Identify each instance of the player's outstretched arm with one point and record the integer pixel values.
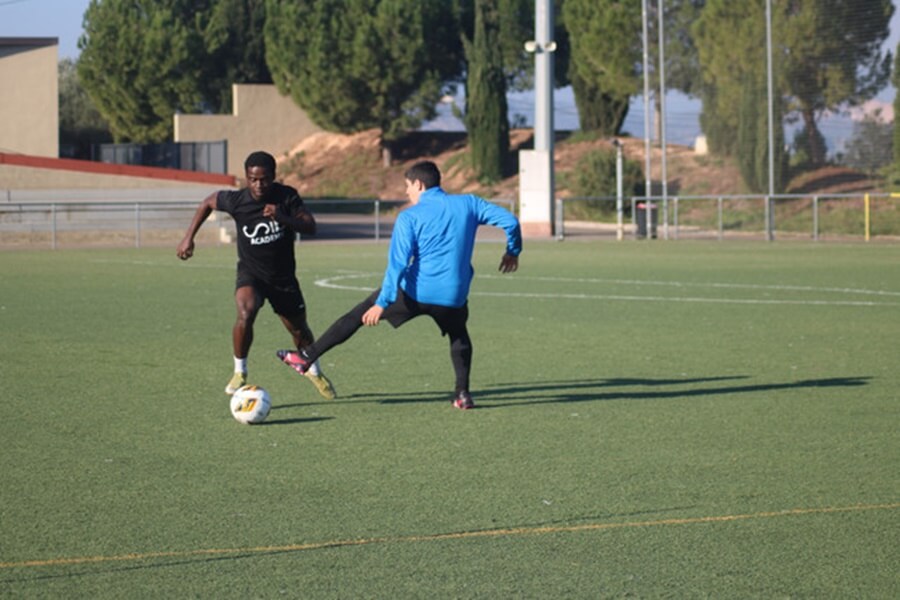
(186, 247)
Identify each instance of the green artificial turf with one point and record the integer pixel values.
(655, 419)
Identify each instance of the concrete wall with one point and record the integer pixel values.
(261, 119)
(29, 96)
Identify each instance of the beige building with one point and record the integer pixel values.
(29, 96)
(261, 119)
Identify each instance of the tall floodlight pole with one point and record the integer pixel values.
(536, 185)
(662, 119)
(620, 228)
(770, 221)
(543, 77)
(648, 180)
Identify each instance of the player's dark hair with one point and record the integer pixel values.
(260, 159)
(426, 172)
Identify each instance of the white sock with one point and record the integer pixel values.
(240, 365)
(314, 369)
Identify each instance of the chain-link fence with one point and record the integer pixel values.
(826, 217)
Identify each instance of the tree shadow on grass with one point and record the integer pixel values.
(522, 393)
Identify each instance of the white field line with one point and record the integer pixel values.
(336, 282)
(751, 286)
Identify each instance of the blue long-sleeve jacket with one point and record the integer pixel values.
(431, 248)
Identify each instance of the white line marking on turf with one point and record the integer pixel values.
(335, 283)
(750, 286)
(328, 282)
(686, 299)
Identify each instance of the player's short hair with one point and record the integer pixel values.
(426, 172)
(260, 159)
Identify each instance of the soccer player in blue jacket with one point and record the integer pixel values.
(429, 272)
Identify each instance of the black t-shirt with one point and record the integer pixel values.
(265, 247)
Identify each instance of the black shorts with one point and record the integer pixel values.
(284, 294)
(451, 320)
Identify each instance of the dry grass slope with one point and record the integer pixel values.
(339, 165)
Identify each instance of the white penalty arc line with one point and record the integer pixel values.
(682, 284)
(334, 283)
(330, 282)
(482, 533)
(327, 282)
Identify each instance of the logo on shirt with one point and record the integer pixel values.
(263, 233)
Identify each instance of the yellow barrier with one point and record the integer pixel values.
(868, 222)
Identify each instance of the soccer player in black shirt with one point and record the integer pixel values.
(267, 215)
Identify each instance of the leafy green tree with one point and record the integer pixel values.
(138, 65)
(753, 139)
(486, 110)
(834, 56)
(235, 48)
(605, 37)
(719, 133)
(869, 146)
(144, 60)
(780, 161)
(730, 40)
(827, 55)
(800, 160)
(80, 123)
(747, 133)
(361, 64)
(681, 60)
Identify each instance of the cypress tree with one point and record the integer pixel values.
(895, 79)
(486, 108)
(762, 144)
(747, 133)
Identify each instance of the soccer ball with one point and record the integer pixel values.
(250, 404)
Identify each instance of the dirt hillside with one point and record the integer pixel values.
(337, 165)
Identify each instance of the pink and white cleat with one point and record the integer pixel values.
(294, 360)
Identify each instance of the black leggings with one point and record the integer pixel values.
(452, 322)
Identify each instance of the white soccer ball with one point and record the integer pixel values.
(250, 404)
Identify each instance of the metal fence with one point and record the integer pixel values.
(861, 217)
(154, 217)
(116, 218)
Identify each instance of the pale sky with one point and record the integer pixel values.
(44, 18)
